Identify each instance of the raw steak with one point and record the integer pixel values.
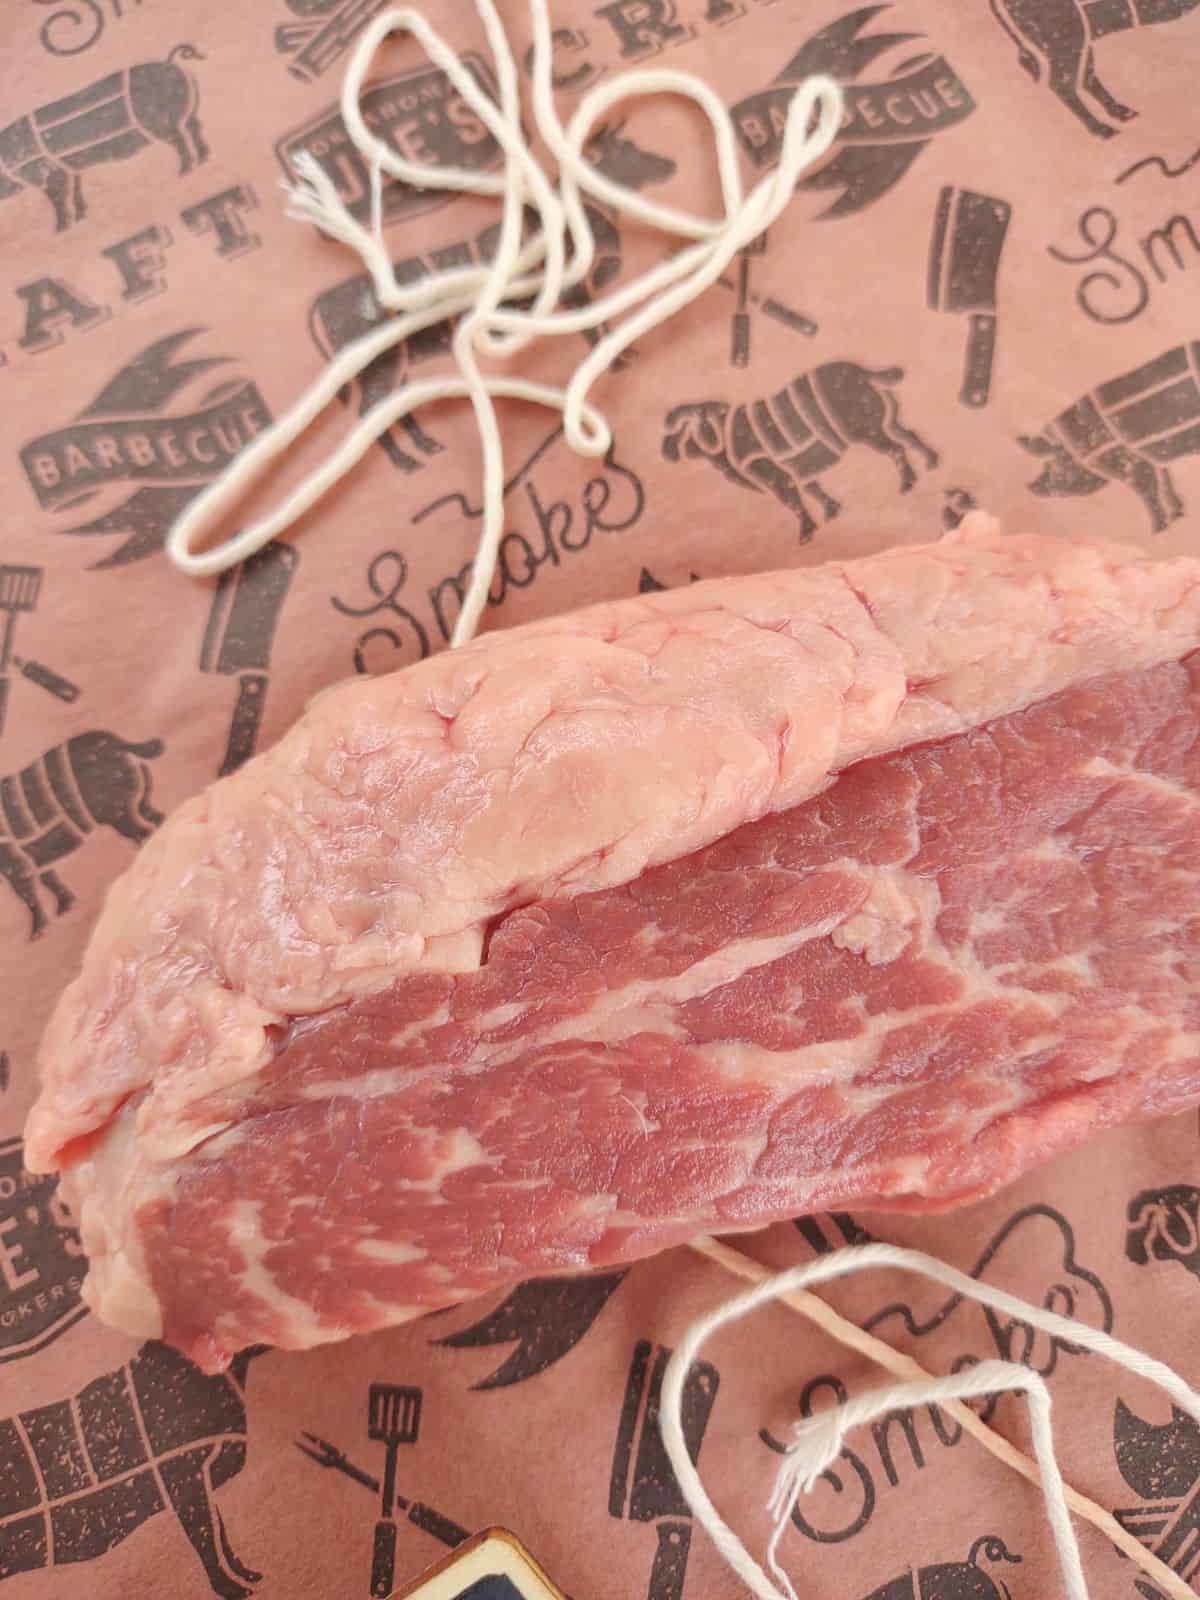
(866, 886)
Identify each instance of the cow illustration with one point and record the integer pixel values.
(784, 443)
(111, 120)
(1063, 33)
(1125, 431)
(79, 1476)
(954, 1580)
(1164, 1225)
(49, 807)
(349, 310)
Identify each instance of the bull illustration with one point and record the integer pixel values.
(79, 1476)
(1063, 33)
(1164, 1225)
(49, 807)
(1125, 431)
(784, 443)
(111, 120)
(954, 1580)
(350, 310)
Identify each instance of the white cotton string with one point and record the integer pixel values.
(517, 297)
(817, 1443)
(818, 1440)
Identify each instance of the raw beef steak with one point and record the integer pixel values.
(863, 886)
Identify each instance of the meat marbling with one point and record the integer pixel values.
(865, 885)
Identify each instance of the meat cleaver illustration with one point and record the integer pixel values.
(238, 639)
(969, 230)
(653, 1495)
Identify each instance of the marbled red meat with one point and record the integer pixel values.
(962, 942)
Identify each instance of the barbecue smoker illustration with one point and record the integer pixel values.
(41, 1260)
(886, 124)
(48, 809)
(79, 1476)
(111, 120)
(349, 310)
(969, 230)
(393, 1419)
(955, 1580)
(1059, 35)
(20, 589)
(651, 1493)
(325, 29)
(1161, 1463)
(1164, 1225)
(784, 442)
(1126, 431)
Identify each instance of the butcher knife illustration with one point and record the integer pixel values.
(969, 230)
(654, 1494)
(238, 639)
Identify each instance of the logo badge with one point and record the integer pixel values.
(423, 116)
(41, 1259)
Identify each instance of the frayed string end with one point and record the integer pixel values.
(816, 1445)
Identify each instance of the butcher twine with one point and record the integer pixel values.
(498, 320)
(817, 1441)
(495, 323)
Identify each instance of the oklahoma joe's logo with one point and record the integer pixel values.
(423, 116)
(129, 435)
(41, 1260)
(885, 125)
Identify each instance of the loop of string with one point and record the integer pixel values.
(517, 296)
(817, 1441)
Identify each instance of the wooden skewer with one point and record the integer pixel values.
(902, 1366)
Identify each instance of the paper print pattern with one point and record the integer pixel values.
(1057, 37)
(41, 1258)
(979, 1577)
(129, 435)
(979, 246)
(393, 1419)
(643, 1486)
(1126, 431)
(1160, 1461)
(20, 591)
(81, 1475)
(546, 1318)
(1164, 1225)
(783, 443)
(110, 120)
(324, 31)
(48, 808)
(888, 123)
